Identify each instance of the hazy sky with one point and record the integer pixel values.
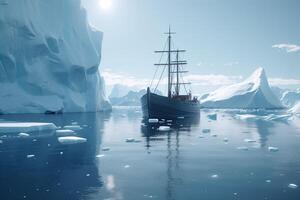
(228, 38)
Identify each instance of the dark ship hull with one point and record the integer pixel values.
(157, 106)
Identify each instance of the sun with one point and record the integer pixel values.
(105, 4)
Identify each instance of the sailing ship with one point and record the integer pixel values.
(175, 104)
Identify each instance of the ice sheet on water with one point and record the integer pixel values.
(292, 186)
(249, 140)
(164, 128)
(153, 120)
(13, 127)
(64, 132)
(273, 149)
(71, 140)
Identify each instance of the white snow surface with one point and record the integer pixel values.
(12, 127)
(290, 98)
(49, 58)
(296, 108)
(252, 93)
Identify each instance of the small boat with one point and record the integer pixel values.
(176, 103)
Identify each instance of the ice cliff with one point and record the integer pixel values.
(252, 93)
(49, 58)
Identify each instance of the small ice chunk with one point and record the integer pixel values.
(100, 155)
(292, 186)
(268, 181)
(273, 149)
(137, 140)
(153, 120)
(64, 132)
(23, 135)
(214, 135)
(73, 127)
(225, 139)
(71, 140)
(243, 148)
(30, 156)
(249, 140)
(105, 149)
(74, 123)
(206, 130)
(169, 121)
(164, 128)
(87, 175)
(215, 176)
(180, 117)
(130, 140)
(212, 116)
(126, 166)
(1, 142)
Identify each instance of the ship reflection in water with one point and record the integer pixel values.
(178, 159)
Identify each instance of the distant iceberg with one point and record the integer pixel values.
(295, 109)
(49, 58)
(253, 93)
(290, 98)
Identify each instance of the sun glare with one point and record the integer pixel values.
(105, 4)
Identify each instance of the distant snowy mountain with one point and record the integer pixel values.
(132, 98)
(49, 58)
(252, 93)
(290, 98)
(120, 90)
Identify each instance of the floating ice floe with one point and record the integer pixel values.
(13, 127)
(273, 149)
(215, 176)
(130, 140)
(30, 156)
(126, 166)
(249, 140)
(268, 181)
(105, 149)
(180, 117)
(23, 135)
(292, 186)
(206, 130)
(64, 132)
(214, 135)
(212, 116)
(1, 142)
(153, 120)
(169, 121)
(243, 148)
(71, 140)
(100, 155)
(164, 128)
(225, 139)
(73, 127)
(74, 123)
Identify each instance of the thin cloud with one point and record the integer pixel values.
(289, 48)
(282, 81)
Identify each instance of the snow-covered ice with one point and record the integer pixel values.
(153, 120)
(293, 186)
(49, 58)
(71, 140)
(164, 128)
(273, 149)
(12, 127)
(254, 92)
(64, 132)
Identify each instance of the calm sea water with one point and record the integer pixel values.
(184, 163)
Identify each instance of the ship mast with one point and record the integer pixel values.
(170, 65)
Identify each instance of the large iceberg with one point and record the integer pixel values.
(253, 93)
(49, 58)
(290, 98)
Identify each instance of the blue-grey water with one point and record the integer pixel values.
(182, 164)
